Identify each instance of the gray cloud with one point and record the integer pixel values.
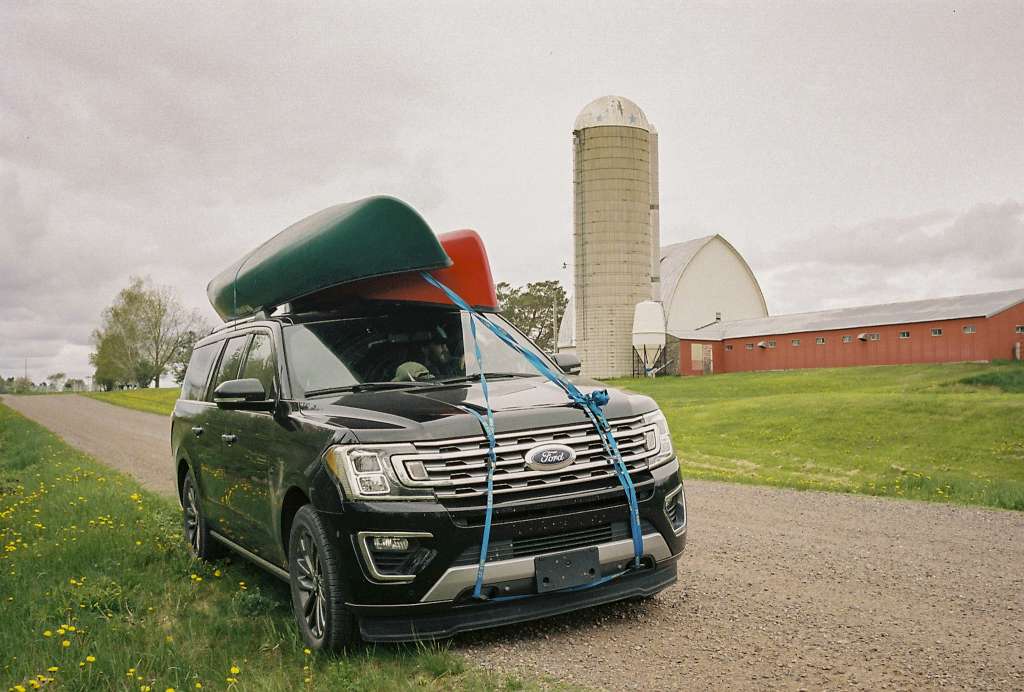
(885, 260)
(165, 139)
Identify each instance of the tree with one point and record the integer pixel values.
(56, 380)
(535, 309)
(180, 363)
(143, 333)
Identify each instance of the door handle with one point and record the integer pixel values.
(229, 439)
(197, 430)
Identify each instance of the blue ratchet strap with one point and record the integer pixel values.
(488, 426)
(591, 405)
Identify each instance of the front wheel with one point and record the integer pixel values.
(318, 585)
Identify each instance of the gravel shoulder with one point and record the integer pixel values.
(777, 588)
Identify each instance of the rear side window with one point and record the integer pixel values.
(198, 371)
(260, 363)
(230, 361)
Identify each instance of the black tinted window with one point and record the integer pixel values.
(260, 363)
(230, 361)
(198, 371)
(402, 344)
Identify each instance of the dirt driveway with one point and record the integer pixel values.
(777, 589)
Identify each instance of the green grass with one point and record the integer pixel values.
(1008, 379)
(951, 432)
(150, 400)
(97, 592)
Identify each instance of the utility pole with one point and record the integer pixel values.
(554, 326)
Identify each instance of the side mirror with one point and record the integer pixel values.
(569, 363)
(243, 395)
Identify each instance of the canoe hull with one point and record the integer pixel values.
(376, 236)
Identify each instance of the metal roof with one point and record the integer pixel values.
(952, 308)
(611, 110)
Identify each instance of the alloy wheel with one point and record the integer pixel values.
(191, 518)
(311, 585)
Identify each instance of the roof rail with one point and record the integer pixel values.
(260, 315)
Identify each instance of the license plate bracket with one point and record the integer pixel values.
(566, 570)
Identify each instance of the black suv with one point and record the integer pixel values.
(339, 452)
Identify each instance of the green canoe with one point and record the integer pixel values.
(347, 242)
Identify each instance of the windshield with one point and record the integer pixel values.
(401, 345)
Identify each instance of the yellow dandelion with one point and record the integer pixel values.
(90, 659)
(71, 628)
(65, 643)
(307, 652)
(199, 685)
(216, 572)
(169, 689)
(52, 669)
(235, 670)
(47, 633)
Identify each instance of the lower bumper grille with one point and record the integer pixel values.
(551, 543)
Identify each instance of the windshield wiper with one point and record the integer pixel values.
(365, 387)
(475, 377)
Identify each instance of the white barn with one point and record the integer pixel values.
(702, 280)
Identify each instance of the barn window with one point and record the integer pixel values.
(904, 335)
(728, 347)
(1020, 328)
(874, 336)
(937, 331)
(795, 342)
(771, 344)
(969, 329)
(847, 339)
(820, 341)
(750, 347)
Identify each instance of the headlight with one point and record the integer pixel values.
(662, 438)
(365, 472)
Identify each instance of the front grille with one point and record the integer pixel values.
(552, 543)
(456, 469)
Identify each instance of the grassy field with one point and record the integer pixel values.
(98, 592)
(150, 400)
(952, 432)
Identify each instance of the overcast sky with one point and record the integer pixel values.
(853, 153)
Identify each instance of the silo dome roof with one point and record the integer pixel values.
(611, 110)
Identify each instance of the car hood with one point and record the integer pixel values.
(403, 415)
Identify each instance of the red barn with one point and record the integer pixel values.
(981, 327)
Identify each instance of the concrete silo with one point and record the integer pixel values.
(613, 245)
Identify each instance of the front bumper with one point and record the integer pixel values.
(436, 604)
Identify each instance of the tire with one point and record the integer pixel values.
(318, 586)
(193, 523)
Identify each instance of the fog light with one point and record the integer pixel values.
(393, 544)
(675, 509)
(374, 484)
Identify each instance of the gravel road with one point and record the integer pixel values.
(135, 442)
(777, 589)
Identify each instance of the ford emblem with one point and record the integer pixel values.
(549, 457)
